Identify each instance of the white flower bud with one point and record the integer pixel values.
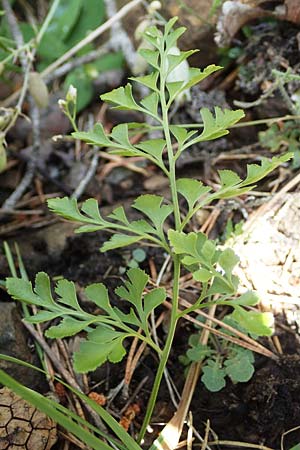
(71, 94)
(62, 104)
(154, 6)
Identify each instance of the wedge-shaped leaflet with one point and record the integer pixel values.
(43, 288)
(120, 135)
(149, 81)
(68, 208)
(151, 104)
(142, 226)
(130, 318)
(228, 260)
(169, 25)
(65, 207)
(20, 289)
(43, 316)
(224, 285)
(133, 292)
(215, 127)
(119, 215)
(192, 245)
(256, 172)
(202, 256)
(192, 190)
(66, 292)
(181, 134)
(196, 75)
(152, 300)
(202, 275)
(232, 185)
(153, 147)
(183, 243)
(98, 294)
(249, 298)
(154, 36)
(229, 178)
(103, 344)
(67, 327)
(122, 97)
(174, 88)
(96, 136)
(172, 38)
(151, 206)
(151, 56)
(174, 60)
(133, 288)
(118, 241)
(254, 321)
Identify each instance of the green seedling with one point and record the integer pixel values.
(221, 359)
(212, 268)
(134, 259)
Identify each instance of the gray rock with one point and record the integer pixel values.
(13, 342)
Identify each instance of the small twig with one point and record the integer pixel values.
(30, 170)
(134, 394)
(204, 445)
(240, 445)
(77, 62)
(189, 440)
(88, 176)
(119, 38)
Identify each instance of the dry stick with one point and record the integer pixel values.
(11, 201)
(63, 372)
(91, 37)
(77, 62)
(128, 368)
(119, 38)
(90, 171)
(189, 439)
(171, 433)
(240, 445)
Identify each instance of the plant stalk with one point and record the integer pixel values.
(176, 258)
(166, 351)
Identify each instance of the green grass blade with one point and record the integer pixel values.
(10, 259)
(125, 438)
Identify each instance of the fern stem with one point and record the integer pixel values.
(166, 351)
(176, 259)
